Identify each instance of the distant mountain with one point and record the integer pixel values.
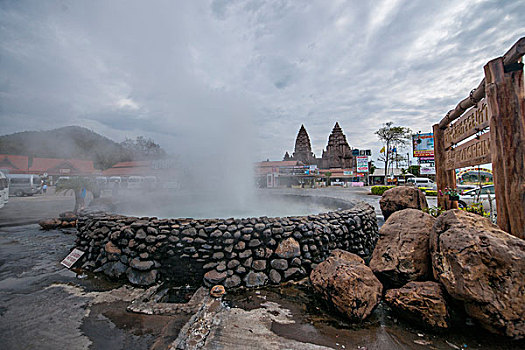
(66, 142)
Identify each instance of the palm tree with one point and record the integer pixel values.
(79, 186)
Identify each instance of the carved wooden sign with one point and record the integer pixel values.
(475, 119)
(473, 152)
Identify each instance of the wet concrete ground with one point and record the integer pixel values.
(311, 320)
(45, 306)
(30, 210)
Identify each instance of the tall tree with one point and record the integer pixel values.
(392, 136)
(142, 148)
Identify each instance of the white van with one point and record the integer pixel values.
(24, 184)
(115, 179)
(421, 182)
(4, 189)
(135, 182)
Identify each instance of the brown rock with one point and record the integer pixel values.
(288, 248)
(484, 267)
(420, 302)
(348, 283)
(214, 277)
(49, 224)
(402, 197)
(111, 248)
(401, 253)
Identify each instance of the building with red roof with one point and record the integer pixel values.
(16, 164)
(135, 168)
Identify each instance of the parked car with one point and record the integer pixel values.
(479, 195)
(4, 189)
(421, 182)
(24, 184)
(464, 188)
(115, 179)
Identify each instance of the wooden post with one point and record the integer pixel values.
(506, 100)
(444, 178)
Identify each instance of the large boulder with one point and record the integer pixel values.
(401, 253)
(348, 283)
(402, 197)
(420, 302)
(484, 267)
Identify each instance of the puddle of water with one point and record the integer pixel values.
(317, 322)
(179, 295)
(110, 326)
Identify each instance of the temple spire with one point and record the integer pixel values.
(303, 148)
(338, 153)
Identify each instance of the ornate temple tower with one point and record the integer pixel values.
(303, 148)
(338, 153)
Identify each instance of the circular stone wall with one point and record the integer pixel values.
(235, 252)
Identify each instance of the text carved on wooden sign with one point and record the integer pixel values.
(475, 119)
(473, 152)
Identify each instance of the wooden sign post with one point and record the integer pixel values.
(504, 89)
(503, 110)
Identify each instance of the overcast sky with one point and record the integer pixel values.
(227, 75)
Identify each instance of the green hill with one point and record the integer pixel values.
(66, 142)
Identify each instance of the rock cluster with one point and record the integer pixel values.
(402, 197)
(66, 219)
(234, 252)
(472, 260)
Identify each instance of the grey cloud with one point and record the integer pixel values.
(173, 70)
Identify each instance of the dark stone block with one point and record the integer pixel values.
(245, 254)
(275, 277)
(141, 278)
(255, 279)
(259, 265)
(232, 282)
(214, 277)
(254, 243)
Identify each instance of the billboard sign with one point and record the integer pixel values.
(423, 145)
(362, 164)
(348, 172)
